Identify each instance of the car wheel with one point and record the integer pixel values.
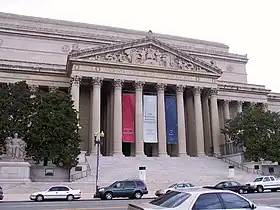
(70, 197)
(109, 196)
(138, 195)
(39, 198)
(259, 189)
(274, 190)
(240, 191)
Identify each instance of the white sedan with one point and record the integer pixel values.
(55, 193)
(178, 186)
(198, 199)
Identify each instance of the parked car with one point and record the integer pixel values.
(198, 199)
(230, 185)
(264, 183)
(1, 194)
(172, 187)
(127, 188)
(56, 193)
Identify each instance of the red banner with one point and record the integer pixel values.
(128, 116)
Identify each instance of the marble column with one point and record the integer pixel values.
(96, 110)
(117, 151)
(33, 90)
(206, 123)
(75, 91)
(265, 107)
(215, 123)
(239, 106)
(198, 121)
(162, 151)
(226, 110)
(181, 121)
(139, 141)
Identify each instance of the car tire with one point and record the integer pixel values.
(39, 198)
(137, 195)
(241, 191)
(108, 196)
(274, 190)
(260, 189)
(70, 197)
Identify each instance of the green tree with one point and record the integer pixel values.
(54, 130)
(258, 131)
(16, 108)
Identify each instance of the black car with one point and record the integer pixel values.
(230, 185)
(122, 189)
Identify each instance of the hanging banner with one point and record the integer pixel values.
(171, 120)
(128, 116)
(150, 119)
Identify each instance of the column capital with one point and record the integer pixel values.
(75, 79)
(197, 90)
(160, 87)
(239, 103)
(265, 106)
(180, 88)
(213, 92)
(33, 88)
(226, 102)
(138, 85)
(53, 88)
(97, 81)
(118, 83)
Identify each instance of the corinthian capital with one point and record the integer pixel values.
(180, 88)
(53, 88)
(33, 88)
(160, 86)
(226, 102)
(96, 81)
(139, 85)
(118, 83)
(197, 90)
(76, 80)
(213, 92)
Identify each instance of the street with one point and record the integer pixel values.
(271, 199)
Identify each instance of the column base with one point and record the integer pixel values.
(201, 154)
(163, 155)
(118, 155)
(183, 155)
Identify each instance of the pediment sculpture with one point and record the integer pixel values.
(147, 55)
(15, 148)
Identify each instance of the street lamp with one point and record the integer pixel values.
(98, 141)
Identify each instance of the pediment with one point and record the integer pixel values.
(148, 52)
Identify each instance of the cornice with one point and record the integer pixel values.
(274, 96)
(32, 67)
(121, 35)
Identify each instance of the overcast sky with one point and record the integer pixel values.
(247, 26)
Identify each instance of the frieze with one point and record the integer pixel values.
(144, 73)
(148, 56)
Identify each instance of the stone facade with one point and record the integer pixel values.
(98, 63)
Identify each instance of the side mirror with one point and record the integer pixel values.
(253, 206)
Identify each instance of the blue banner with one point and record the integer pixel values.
(171, 120)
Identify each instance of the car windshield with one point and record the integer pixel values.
(173, 185)
(171, 199)
(112, 185)
(258, 179)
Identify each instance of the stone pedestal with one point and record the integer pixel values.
(82, 157)
(11, 172)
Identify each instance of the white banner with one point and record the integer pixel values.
(150, 118)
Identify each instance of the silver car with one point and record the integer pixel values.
(178, 186)
(198, 199)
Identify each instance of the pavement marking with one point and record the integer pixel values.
(98, 208)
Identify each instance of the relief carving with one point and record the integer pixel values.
(148, 55)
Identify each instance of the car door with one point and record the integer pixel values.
(207, 201)
(129, 187)
(62, 192)
(233, 201)
(266, 182)
(51, 193)
(273, 182)
(234, 186)
(118, 189)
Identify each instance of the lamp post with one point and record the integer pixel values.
(97, 141)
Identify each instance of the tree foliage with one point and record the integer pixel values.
(259, 132)
(54, 132)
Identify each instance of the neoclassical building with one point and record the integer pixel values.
(152, 94)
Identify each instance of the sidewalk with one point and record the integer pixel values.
(85, 196)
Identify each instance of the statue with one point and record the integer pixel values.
(15, 148)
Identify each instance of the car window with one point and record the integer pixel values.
(63, 189)
(180, 186)
(140, 183)
(53, 189)
(172, 186)
(207, 201)
(272, 178)
(266, 179)
(221, 184)
(129, 184)
(258, 179)
(234, 183)
(171, 199)
(118, 184)
(233, 201)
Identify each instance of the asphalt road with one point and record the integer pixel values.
(271, 199)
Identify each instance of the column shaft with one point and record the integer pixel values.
(206, 124)
(139, 143)
(181, 121)
(239, 106)
(162, 151)
(118, 117)
(96, 110)
(215, 125)
(75, 91)
(226, 110)
(198, 121)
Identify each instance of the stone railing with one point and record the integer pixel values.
(80, 175)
